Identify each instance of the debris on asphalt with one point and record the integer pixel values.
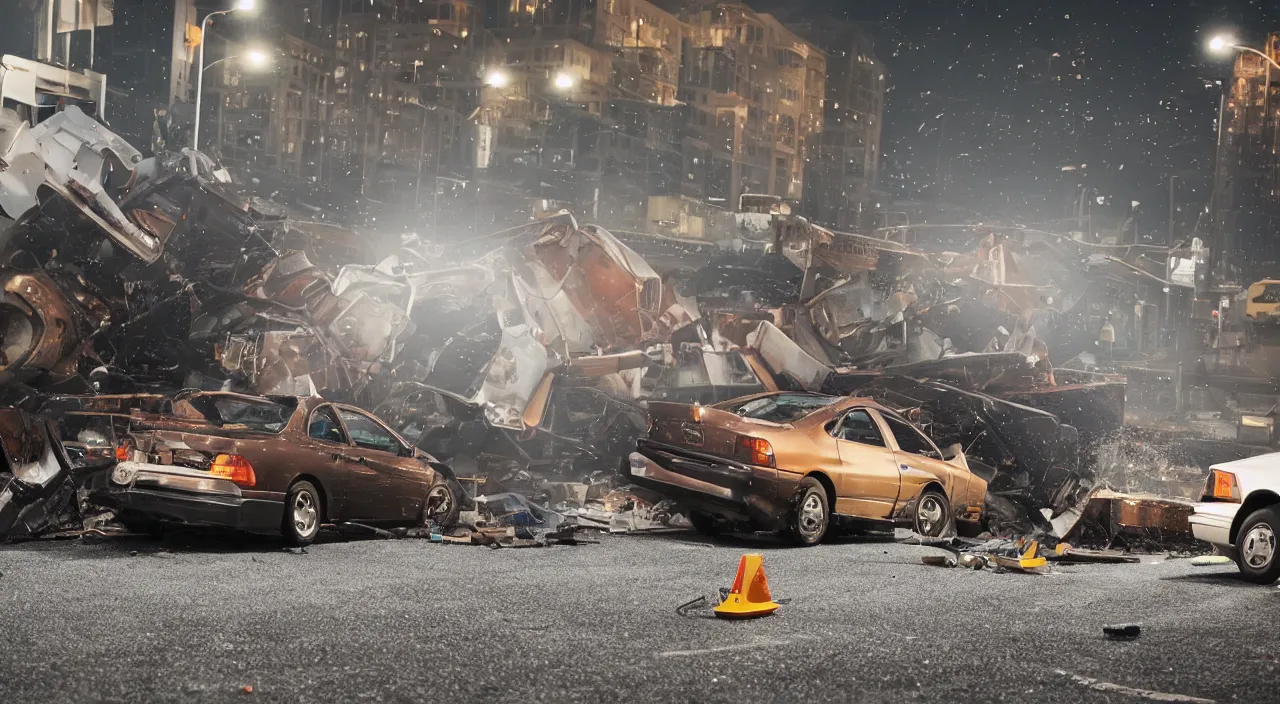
(1207, 560)
(938, 560)
(1065, 554)
(1123, 631)
(1134, 522)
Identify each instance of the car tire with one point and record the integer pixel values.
(933, 514)
(810, 514)
(442, 504)
(303, 513)
(704, 523)
(1256, 546)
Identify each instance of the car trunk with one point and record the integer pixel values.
(194, 450)
(699, 428)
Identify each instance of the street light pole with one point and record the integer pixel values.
(200, 67)
(1263, 54)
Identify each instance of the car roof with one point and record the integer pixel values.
(1269, 461)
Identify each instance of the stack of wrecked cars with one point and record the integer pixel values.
(543, 364)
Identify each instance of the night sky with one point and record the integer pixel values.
(973, 98)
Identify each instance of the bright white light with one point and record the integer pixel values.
(564, 81)
(246, 5)
(256, 58)
(496, 78)
(1221, 44)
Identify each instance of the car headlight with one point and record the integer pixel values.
(124, 474)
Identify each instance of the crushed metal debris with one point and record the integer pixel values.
(520, 365)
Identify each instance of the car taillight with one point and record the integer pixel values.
(235, 468)
(755, 451)
(1221, 486)
(122, 452)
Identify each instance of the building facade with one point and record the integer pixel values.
(843, 166)
(756, 91)
(1248, 179)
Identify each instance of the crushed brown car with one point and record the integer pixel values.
(794, 462)
(266, 465)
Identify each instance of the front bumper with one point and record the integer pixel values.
(1211, 522)
(715, 485)
(172, 494)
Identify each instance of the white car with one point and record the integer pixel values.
(1239, 514)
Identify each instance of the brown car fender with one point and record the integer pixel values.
(914, 482)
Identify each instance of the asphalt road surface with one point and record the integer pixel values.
(199, 619)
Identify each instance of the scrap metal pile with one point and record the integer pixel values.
(525, 357)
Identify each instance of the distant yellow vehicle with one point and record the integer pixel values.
(1262, 302)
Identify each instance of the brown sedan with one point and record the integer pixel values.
(793, 461)
(278, 465)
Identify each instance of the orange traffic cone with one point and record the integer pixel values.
(750, 594)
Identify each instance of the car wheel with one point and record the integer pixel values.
(1256, 546)
(302, 514)
(442, 504)
(704, 523)
(933, 514)
(810, 513)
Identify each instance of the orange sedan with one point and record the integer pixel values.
(793, 462)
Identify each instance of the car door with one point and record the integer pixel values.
(917, 453)
(389, 484)
(331, 457)
(867, 485)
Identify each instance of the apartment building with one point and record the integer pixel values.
(842, 169)
(756, 92)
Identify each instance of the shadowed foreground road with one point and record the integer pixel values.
(129, 620)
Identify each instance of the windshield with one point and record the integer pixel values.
(783, 408)
(232, 412)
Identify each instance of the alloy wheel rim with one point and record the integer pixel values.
(1258, 546)
(304, 513)
(929, 515)
(811, 515)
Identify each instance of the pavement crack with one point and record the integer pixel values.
(763, 643)
(1111, 687)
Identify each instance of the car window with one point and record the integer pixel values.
(858, 426)
(911, 440)
(782, 408)
(324, 425)
(235, 412)
(368, 434)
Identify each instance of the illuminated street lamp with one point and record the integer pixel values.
(1224, 44)
(497, 78)
(240, 6)
(564, 81)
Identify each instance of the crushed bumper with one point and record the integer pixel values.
(714, 485)
(188, 496)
